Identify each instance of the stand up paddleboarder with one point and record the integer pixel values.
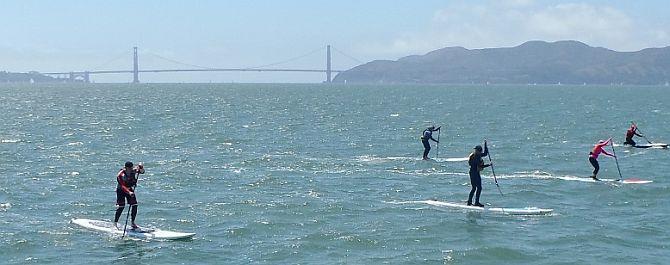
(125, 191)
(476, 166)
(425, 137)
(593, 156)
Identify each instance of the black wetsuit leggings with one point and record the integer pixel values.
(121, 198)
(476, 181)
(426, 148)
(596, 166)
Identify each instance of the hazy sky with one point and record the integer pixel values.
(68, 35)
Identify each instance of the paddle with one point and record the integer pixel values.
(493, 171)
(129, 205)
(617, 161)
(638, 129)
(437, 150)
(126, 225)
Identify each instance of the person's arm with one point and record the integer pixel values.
(483, 165)
(119, 179)
(606, 153)
(607, 142)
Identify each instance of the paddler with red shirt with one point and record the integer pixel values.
(125, 190)
(630, 133)
(593, 156)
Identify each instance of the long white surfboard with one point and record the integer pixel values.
(498, 210)
(581, 179)
(652, 145)
(589, 179)
(451, 159)
(144, 233)
(446, 159)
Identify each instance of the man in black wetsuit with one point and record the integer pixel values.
(125, 190)
(425, 136)
(476, 165)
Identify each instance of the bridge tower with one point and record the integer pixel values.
(136, 73)
(84, 77)
(328, 69)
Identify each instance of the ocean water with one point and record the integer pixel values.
(319, 174)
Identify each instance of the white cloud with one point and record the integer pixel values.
(605, 26)
(518, 2)
(512, 22)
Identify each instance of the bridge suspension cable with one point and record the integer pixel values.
(289, 60)
(250, 67)
(346, 55)
(114, 59)
(178, 62)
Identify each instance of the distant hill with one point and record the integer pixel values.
(567, 62)
(7, 77)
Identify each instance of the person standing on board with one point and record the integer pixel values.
(593, 155)
(428, 135)
(476, 166)
(630, 133)
(125, 191)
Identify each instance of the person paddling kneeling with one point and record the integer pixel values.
(630, 133)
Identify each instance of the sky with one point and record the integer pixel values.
(74, 35)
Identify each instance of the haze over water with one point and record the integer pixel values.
(319, 174)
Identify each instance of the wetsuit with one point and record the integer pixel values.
(476, 165)
(125, 185)
(425, 137)
(593, 155)
(632, 131)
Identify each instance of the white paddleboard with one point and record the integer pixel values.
(144, 233)
(452, 159)
(652, 145)
(447, 159)
(510, 211)
(589, 179)
(581, 179)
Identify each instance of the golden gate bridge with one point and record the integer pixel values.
(85, 76)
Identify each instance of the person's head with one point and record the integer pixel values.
(601, 141)
(478, 149)
(431, 127)
(129, 164)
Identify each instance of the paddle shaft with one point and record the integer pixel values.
(126, 225)
(494, 174)
(645, 137)
(616, 160)
(437, 149)
(130, 205)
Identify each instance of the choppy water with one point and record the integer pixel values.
(312, 174)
